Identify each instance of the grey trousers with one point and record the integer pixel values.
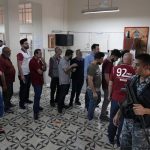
(105, 103)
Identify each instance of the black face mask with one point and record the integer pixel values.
(112, 60)
(98, 63)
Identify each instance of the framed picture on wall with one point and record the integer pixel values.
(51, 41)
(136, 38)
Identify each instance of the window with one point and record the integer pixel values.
(25, 13)
(1, 15)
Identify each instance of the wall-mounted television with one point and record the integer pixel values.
(64, 39)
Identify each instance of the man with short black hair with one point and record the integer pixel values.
(23, 59)
(106, 70)
(87, 61)
(90, 57)
(37, 67)
(64, 70)
(136, 109)
(94, 84)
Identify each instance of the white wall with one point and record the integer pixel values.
(109, 27)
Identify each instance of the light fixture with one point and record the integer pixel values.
(100, 9)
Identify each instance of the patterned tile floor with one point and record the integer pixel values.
(69, 131)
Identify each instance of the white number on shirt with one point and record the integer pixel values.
(121, 72)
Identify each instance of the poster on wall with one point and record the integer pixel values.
(136, 38)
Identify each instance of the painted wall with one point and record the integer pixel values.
(106, 29)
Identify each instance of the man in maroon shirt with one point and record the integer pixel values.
(37, 66)
(106, 70)
(118, 79)
(9, 74)
(2, 86)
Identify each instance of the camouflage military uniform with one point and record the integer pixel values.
(133, 136)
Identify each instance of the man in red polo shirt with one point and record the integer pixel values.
(9, 74)
(37, 66)
(118, 79)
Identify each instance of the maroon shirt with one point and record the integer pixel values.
(8, 69)
(119, 76)
(36, 78)
(106, 68)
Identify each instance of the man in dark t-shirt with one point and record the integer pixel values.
(106, 70)
(77, 77)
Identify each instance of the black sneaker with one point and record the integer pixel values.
(70, 105)
(104, 118)
(36, 116)
(66, 106)
(2, 131)
(118, 143)
(52, 104)
(22, 107)
(60, 111)
(40, 108)
(11, 105)
(78, 103)
(28, 101)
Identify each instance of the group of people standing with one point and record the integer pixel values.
(116, 81)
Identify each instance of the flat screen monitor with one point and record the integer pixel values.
(64, 39)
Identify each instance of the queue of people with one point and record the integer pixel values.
(125, 86)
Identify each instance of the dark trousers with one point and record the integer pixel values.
(54, 85)
(1, 104)
(76, 89)
(63, 91)
(7, 95)
(24, 90)
(37, 97)
(112, 129)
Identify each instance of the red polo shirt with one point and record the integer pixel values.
(34, 65)
(8, 69)
(119, 76)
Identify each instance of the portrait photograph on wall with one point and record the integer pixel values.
(136, 38)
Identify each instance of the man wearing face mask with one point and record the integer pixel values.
(23, 59)
(9, 77)
(106, 70)
(64, 70)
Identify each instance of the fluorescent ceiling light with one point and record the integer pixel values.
(100, 10)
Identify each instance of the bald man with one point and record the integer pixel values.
(9, 74)
(118, 79)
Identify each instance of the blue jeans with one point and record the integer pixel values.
(37, 96)
(1, 105)
(112, 129)
(92, 103)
